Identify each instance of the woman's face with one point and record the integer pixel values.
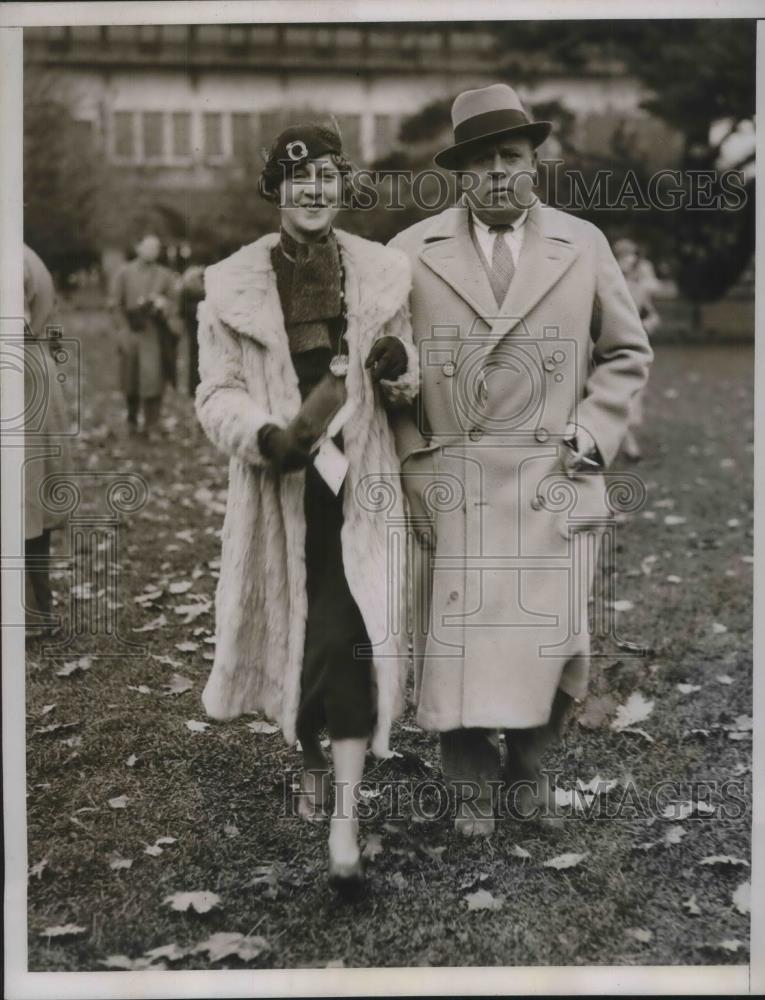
(310, 199)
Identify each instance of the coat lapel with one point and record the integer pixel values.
(450, 253)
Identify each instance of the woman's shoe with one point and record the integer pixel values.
(346, 869)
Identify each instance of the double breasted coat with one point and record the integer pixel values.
(515, 539)
(248, 380)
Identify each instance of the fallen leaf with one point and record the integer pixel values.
(197, 727)
(178, 685)
(621, 605)
(141, 689)
(180, 586)
(643, 936)
(742, 897)
(154, 850)
(201, 901)
(596, 711)
(62, 930)
(131, 761)
(674, 579)
(84, 663)
(730, 944)
(117, 863)
(372, 847)
(172, 952)
(518, 852)
(640, 732)
(718, 628)
(724, 679)
(691, 906)
(672, 520)
(743, 723)
(128, 964)
(153, 625)
(36, 870)
(673, 835)
(482, 899)
(193, 611)
(231, 830)
(634, 710)
(598, 785)
(688, 688)
(120, 802)
(221, 945)
(47, 708)
(724, 859)
(187, 647)
(168, 661)
(166, 840)
(148, 598)
(565, 861)
(262, 728)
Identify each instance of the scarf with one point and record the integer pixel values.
(308, 279)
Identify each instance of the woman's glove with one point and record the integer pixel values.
(387, 359)
(285, 448)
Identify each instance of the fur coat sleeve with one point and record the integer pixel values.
(226, 410)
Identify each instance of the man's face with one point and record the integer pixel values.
(311, 198)
(498, 178)
(148, 249)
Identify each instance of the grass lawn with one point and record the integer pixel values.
(115, 729)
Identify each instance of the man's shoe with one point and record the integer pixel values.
(475, 819)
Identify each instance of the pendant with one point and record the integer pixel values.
(339, 365)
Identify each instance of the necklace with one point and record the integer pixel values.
(338, 365)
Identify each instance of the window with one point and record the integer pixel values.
(238, 36)
(124, 139)
(242, 134)
(181, 134)
(153, 145)
(213, 134)
(149, 35)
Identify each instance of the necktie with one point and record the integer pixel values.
(502, 265)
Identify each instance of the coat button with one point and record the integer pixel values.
(538, 502)
(542, 435)
(449, 368)
(475, 434)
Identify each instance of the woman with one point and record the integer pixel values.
(305, 585)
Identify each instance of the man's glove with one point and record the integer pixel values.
(582, 453)
(286, 448)
(387, 359)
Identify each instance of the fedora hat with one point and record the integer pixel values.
(486, 113)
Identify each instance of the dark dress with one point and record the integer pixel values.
(336, 680)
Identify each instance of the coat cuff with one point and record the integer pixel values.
(403, 389)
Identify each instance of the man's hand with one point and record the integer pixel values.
(582, 454)
(285, 448)
(387, 359)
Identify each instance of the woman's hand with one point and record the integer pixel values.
(285, 448)
(387, 359)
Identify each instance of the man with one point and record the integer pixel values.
(143, 303)
(531, 351)
(191, 294)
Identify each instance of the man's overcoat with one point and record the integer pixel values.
(515, 539)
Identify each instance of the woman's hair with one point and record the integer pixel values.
(273, 172)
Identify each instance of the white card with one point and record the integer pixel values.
(331, 464)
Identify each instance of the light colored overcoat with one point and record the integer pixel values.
(516, 540)
(248, 380)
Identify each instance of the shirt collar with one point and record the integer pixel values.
(484, 227)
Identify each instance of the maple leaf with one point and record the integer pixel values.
(482, 899)
(36, 870)
(154, 850)
(562, 861)
(178, 684)
(84, 663)
(636, 709)
(201, 901)
(131, 761)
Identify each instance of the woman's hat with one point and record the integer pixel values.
(295, 146)
(486, 113)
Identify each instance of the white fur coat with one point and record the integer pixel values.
(247, 380)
